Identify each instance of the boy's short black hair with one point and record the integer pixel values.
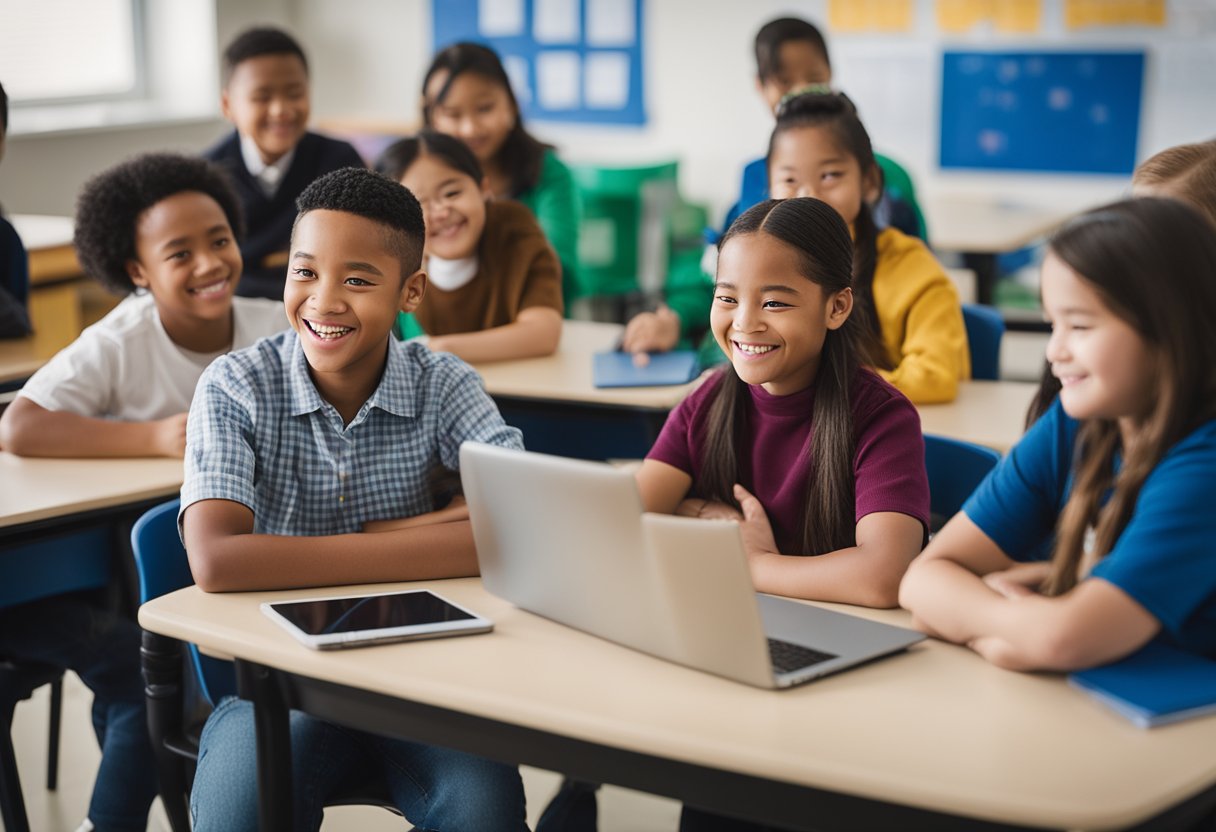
(253, 43)
(372, 196)
(3, 110)
(782, 30)
(111, 203)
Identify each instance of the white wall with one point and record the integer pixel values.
(368, 57)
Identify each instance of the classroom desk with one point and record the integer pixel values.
(55, 315)
(48, 239)
(981, 229)
(936, 739)
(989, 413)
(553, 400)
(48, 494)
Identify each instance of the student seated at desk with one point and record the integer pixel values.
(14, 263)
(161, 229)
(271, 156)
(1120, 472)
(494, 290)
(466, 94)
(308, 463)
(1186, 172)
(820, 460)
(167, 225)
(791, 56)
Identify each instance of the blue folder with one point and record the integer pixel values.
(616, 369)
(1156, 685)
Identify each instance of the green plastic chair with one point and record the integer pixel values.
(898, 182)
(625, 237)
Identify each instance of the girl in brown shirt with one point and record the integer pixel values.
(494, 283)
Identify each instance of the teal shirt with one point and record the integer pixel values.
(555, 203)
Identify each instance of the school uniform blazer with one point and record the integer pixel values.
(268, 220)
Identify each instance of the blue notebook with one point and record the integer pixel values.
(1157, 685)
(616, 369)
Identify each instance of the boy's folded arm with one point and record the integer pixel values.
(454, 512)
(535, 333)
(225, 555)
(28, 429)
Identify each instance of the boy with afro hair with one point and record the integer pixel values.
(344, 427)
(161, 229)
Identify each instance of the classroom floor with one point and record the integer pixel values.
(64, 809)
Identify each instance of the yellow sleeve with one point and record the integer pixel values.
(921, 319)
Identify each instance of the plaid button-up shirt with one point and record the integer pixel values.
(260, 434)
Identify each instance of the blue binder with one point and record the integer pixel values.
(1156, 685)
(616, 369)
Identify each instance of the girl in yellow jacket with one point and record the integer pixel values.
(909, 307)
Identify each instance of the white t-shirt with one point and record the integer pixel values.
(126, 367)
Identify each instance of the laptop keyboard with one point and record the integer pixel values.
(787, 657)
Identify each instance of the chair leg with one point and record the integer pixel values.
(52, 748)
(12, 804)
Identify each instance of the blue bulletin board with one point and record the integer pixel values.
(568, 60)
(1048, 111)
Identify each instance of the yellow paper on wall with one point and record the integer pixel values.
(1079, 14)
(1017, 16)
(957, 16)
(858, 16)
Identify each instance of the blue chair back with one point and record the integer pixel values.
(955, 469)
(160, 559)
(985, 328)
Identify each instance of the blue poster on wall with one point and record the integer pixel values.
(1071, 112)
(568, 60)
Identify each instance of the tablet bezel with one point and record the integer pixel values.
(381, 635)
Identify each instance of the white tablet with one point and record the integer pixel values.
(355, 620)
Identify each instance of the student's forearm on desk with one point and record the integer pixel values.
(535, 333)
(1094, 623)
(28, 429)
(225, 555)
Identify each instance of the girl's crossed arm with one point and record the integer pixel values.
(965, 589)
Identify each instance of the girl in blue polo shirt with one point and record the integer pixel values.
(1120, 471)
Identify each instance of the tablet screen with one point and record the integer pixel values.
(373, 612)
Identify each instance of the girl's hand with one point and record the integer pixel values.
(708, 510)
(1019, 581)
(757, 531)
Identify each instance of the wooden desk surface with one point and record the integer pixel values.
(974, 225)
(566, 375)
(937, 728)
(989, 413)
(39, 489)
(48, 239)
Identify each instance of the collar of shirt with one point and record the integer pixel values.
(394, 394)
(267, 176)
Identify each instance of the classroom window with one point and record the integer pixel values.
(65, 50)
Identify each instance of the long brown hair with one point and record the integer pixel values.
(836, 112)
(1153, 264)
(1187, 171)
(820, 238)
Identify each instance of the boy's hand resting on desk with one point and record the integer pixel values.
(657, 331)
(169, 436)
(456, 510)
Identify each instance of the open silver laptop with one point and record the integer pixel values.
(568, 540)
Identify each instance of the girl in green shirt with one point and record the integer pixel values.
(467, 94)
